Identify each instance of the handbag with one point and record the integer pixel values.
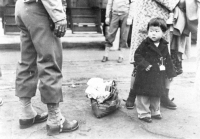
(109, 106)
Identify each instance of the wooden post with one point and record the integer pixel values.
(197, 82)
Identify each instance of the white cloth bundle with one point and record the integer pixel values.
(98, 89)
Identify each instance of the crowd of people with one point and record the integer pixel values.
(158, 43)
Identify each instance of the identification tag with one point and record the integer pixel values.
(162, 67)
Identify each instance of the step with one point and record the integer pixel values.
(86, 28)
(9, 19)
(83, 11)
(10, 28)
(9, 9)
(84, 19)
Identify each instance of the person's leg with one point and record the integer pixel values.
(142, 107)
(165, 101)
(111, 34)
(57, 123)
(49, 64)
(131, 97)
(155, 107)
(26, 75)
(124, 31)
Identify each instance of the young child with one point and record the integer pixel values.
(154, 64)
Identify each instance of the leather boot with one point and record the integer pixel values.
(166, 102)
(28, 116)
(56, 123)
(179, 69)
(131, 100)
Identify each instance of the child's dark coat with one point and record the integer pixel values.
(152, 82)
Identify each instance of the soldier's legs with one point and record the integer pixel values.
(47, 49)
(27, 74)
(49, 64)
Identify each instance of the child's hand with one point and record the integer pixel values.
(107, 21)
(148, 68)
(129, 21)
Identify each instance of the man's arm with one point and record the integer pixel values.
(109, 8)
(54, 9)
(131, 9)
(57, 14)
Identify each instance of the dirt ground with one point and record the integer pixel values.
(78, 67)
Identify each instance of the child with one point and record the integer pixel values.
(153, 66)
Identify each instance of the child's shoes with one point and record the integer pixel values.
(158, 117)
(146, 119)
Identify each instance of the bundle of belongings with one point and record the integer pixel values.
(103, 96)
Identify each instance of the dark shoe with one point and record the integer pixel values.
(65, 127)
(25, 123)
(129, 104)
(104, 59)
(166, 102)
(157, 116)
(146, 119)
(120, 60)
(131, 100)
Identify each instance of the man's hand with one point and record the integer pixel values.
(148, 68)
(107, 21)
(129, 21)
(60, 28)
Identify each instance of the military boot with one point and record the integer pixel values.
(56, 123)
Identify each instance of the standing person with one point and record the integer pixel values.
(41, 60)
(154, 64)
(118, 14)
(143, 12)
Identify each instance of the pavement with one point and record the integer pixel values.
(79, 65)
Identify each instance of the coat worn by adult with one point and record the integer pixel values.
(152, 82)
(144, 11)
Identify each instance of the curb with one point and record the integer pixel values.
(66, 45)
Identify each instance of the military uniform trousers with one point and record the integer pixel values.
(118, 21)
(41, 54)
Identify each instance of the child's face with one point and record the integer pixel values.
(155, 33)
